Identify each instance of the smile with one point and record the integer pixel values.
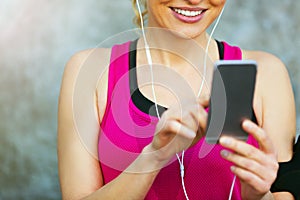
(187, 13)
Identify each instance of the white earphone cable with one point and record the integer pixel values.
(206, 51)
(149, 57)
(231, 188)
(182, 173)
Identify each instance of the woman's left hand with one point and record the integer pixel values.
(256, 168)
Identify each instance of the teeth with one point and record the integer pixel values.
(187, 12)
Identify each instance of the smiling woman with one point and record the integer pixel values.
(36, 39)
(127, 112)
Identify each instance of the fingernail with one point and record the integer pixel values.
(247, 125)
(224, 153)
(225, 141)
(232, 168)
(191, 134)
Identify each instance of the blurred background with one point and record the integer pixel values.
(38, 37)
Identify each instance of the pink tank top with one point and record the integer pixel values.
(126, 130)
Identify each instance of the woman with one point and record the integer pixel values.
(151, 172)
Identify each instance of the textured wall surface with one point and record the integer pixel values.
(38, 37)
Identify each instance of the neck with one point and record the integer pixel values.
(173, 49)
(183, 55)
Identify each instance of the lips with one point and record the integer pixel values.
(188, 15)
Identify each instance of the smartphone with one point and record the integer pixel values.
(231, 99)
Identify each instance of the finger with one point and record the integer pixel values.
(204, 101)
(191, 117)
(242, 148)
(260, 135)
(201, 118)
(181, 136)
(251, 179)
(247, 164)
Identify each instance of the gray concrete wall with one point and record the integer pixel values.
(38, 37)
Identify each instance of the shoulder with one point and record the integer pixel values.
(267, 63)
(271, 70)
(86, 71)
(90, 57)
(272, 74)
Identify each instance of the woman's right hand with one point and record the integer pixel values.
(179, 128)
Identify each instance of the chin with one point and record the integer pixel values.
(187, 33)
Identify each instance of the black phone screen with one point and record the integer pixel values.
(231, 99)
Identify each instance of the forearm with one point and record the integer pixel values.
(278, 196)
(134, 183)
(126, 186)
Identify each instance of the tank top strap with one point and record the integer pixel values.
(119, 65)
(232, 52)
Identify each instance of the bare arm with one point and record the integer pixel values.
(79, 170)
(279, 113)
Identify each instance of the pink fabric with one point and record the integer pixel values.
(232, 52)
(125, 131)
